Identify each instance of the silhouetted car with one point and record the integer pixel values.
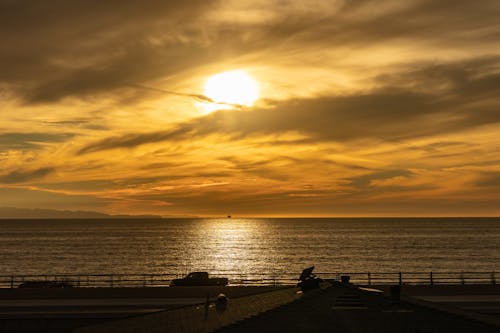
(46, 284)
(199, 279)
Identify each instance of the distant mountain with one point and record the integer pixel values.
(38, 213)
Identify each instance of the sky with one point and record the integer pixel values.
(365, 108)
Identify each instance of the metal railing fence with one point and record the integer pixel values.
(162, 280)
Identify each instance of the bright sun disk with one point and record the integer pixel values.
(233, 87)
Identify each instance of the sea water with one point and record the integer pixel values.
(249, 247)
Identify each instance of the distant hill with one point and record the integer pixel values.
(38, 213)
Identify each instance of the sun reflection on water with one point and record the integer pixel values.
(228, 245)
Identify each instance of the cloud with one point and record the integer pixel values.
(133, 140)
(27, 198)
(329, 118)
(392, 99)
(57, 49)
(197, 97)
(268, 168)
(33, 140)
(464, 96)
(22, 176)
(489, 179)
(366, 180)
(365, 24)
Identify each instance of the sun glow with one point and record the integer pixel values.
(232, 88)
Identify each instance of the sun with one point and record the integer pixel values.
(233, 87)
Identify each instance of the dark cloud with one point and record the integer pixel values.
(438, 146)
(57, 48)
(91, 124)
(31, 140)
(471, 80)
(129, 67)
(160, 165)
(365, 181)
(133, 140)
(21, 176)
(489, 179)
(365, 23)
(53, 49)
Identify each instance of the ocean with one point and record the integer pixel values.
(249, 247)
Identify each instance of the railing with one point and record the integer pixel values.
(419, 278)
(163, 280)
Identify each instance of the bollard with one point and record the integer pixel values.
(431, 280)
(462, 278)
(369, 279)
(400, 278)
(221, 303)
(493, 281)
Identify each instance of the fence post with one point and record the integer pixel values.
(400, 278)
(369, 279)
(493, 281)
(431, 280)
(462, 278)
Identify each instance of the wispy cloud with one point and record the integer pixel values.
(22, 176)
(31, 140)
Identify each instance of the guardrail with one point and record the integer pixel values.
(163, 280)
(422, 278)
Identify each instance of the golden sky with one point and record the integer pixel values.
(365, 108)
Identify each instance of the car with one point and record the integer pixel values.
(199, 279)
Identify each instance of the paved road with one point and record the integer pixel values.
(88, 308)
(84, 302)
(484, 304)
